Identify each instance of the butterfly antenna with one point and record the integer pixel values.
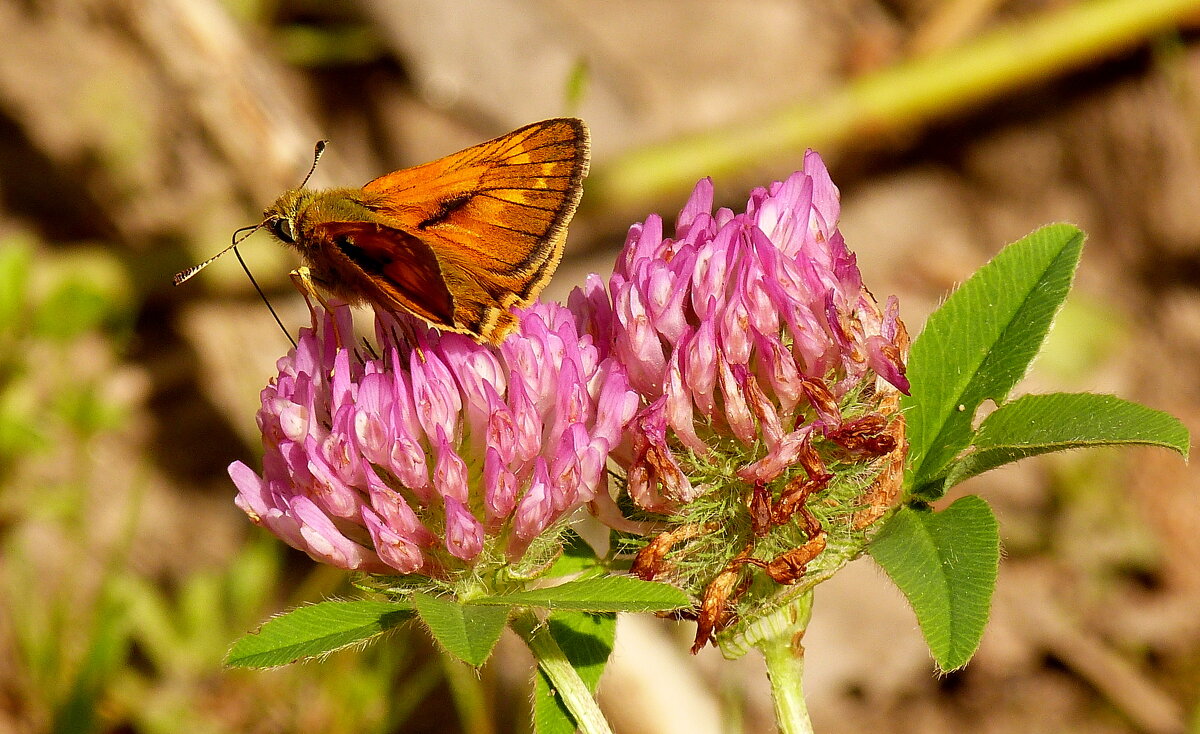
(185, 275)
(262, 295)
(318, 151)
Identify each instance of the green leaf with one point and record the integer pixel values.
(981, 342)
(577, 557)
(587, 640)
(314, 630)
(945, 563)
(605, 594)
(1039, 424)
(466, 631)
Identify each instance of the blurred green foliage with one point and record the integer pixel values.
(44, 312)
(1086, 334)
(102, 627)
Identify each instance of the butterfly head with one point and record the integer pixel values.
(281, 218)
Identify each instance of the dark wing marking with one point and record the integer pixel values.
(446, 207)
(404, 272)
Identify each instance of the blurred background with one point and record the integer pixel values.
(136, 135)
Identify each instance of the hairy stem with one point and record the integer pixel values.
(781, 648)
(553, 661)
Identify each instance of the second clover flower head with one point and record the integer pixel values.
(753, 327)
(768, 376)
(432, 454)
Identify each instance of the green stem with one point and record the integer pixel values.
(784, 654)
(568, 685)
(908, 93)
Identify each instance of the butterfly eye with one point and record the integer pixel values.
(282, 228)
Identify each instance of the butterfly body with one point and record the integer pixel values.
(458, 241)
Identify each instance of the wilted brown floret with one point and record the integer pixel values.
(761, 511)
(716, 606)
(810, 460)
(795, 494)
(788, 567)
(865, 437)
(650, 561)
(818, 394)
(881, 496)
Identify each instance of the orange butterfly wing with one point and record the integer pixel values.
(405, 275)
(494, 216)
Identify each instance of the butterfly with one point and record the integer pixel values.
(457, 242)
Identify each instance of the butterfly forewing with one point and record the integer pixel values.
(494, 214)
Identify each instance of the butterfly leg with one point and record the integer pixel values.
(303, 279)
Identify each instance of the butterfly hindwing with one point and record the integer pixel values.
(401, 268)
